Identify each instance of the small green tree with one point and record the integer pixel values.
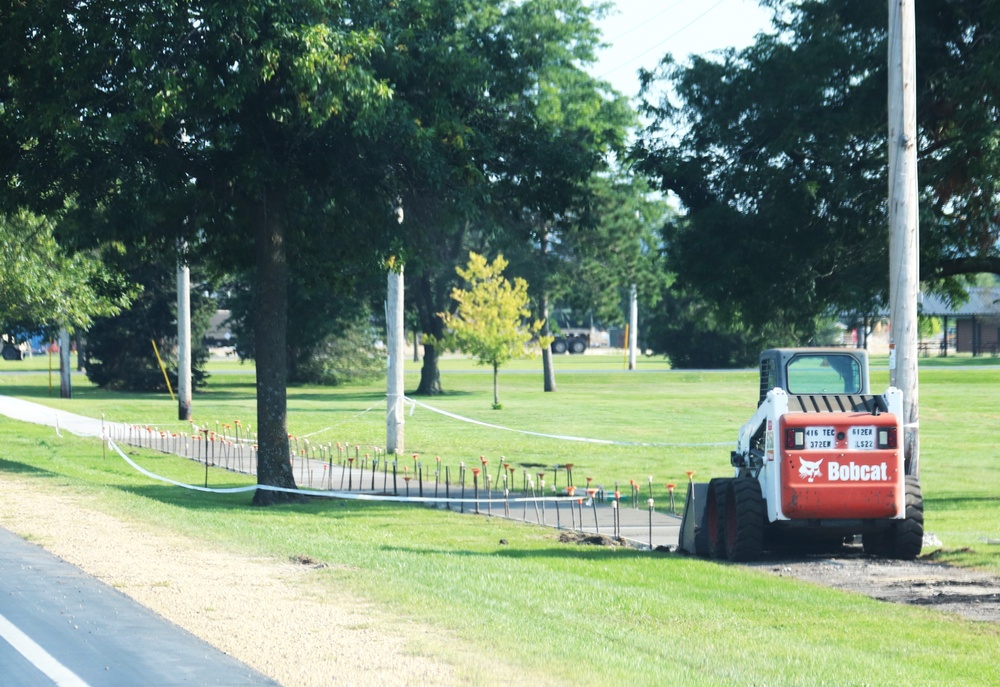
(492, 321)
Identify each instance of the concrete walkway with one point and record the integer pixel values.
(630, 519)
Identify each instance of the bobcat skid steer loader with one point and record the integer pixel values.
(819, 462)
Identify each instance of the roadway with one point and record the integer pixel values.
(59, 626)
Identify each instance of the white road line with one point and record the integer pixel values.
(39, 657)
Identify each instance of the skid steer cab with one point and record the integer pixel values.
(820, 462)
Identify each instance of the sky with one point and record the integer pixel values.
(642, 31)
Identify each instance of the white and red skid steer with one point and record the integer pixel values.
(820, 462)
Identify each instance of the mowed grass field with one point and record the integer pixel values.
(555, 612)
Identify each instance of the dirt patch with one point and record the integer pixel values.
(574, 537)
(972, 594)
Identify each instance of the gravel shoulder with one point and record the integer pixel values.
(274, 616)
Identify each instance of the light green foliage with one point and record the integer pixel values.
(491, 322)
(928, 327)
(42, 285)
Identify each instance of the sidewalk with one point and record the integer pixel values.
(630, 519)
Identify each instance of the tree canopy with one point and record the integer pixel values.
(499, 128)
(608, 245)
(778, 154)
(232, 125)
(118, 352)
(281, 137)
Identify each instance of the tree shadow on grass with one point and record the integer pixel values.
(199, 501)
(308, 395)
(24, 469)
(444, 394)
(952, 503)
(29, 391)
(218, 391)
(569, 550)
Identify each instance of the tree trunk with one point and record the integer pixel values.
(496, 387)
(270, 321)
(430, 323)
(430, 375)
(65, 380)
(548, 370)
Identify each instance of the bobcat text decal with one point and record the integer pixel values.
(852, 472)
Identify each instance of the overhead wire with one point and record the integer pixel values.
(645, 22)
(662, 42)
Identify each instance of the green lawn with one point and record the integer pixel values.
(558, 611)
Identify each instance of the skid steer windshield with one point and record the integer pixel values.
(824, 374)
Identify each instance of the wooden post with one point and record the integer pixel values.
(903, 221)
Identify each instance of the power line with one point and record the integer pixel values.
(661, 43)
(645, 21)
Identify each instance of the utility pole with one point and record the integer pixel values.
(633, 325)
(548, 369)
(903, 222)
(395, 339)
(183, 337)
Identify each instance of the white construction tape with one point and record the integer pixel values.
(327, 429)
(562, 437)
(353, 495)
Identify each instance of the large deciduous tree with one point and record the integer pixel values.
(234, 125)
(778, 154)
(279, 137)
(611, 244)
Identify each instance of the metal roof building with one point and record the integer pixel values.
(977, 322)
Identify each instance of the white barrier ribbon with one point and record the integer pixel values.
(562, 437)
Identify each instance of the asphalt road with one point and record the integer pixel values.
(59, 626)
